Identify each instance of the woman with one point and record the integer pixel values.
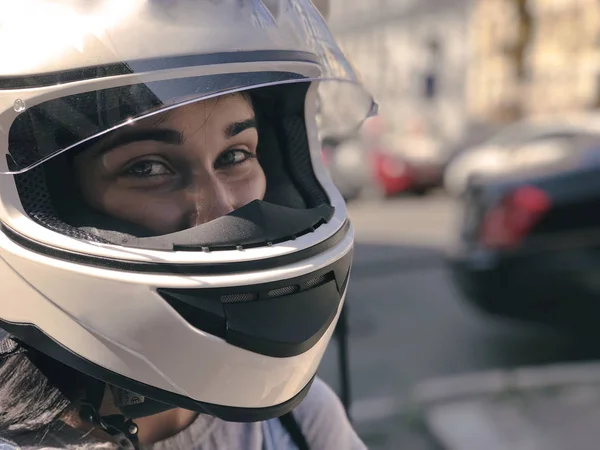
(173, 255)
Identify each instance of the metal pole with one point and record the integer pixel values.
(341, 332)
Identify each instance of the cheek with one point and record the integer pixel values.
(253, 187)
(161, 214)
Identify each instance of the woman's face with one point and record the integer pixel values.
(176, 170)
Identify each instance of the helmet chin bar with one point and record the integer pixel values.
(43, 343)
(279, 319)
(263, 318)
(256, 224)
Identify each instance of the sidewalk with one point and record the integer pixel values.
(549, 408)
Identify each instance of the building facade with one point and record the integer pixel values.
(493, 85)
(561, 58)
(564, 55)
(412, 56)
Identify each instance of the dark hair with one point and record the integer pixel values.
(36, 391)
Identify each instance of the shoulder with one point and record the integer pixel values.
(323, 420)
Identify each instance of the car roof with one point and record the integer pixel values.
(530, 128)
(574, 120)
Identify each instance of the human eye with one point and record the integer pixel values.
(147, 168)
(233, 157)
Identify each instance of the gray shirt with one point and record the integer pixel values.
(320, 416)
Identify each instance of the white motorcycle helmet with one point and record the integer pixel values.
(228, 318)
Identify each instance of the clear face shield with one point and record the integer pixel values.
(289, 33)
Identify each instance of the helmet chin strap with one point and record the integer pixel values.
(121, 428)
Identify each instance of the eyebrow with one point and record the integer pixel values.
(236, 128)
(166, 135)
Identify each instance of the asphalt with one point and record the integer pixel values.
(408, 323)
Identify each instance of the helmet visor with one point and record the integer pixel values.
(214, 48)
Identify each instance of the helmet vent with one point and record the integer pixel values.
(280, 292)
(317, 281)
(239, 298)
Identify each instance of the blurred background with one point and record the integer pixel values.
(473, 310)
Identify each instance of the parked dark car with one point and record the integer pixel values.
(526, 145)
(529, 247)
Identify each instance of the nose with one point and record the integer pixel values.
(209, 200)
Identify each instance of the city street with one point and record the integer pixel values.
(408, 323)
